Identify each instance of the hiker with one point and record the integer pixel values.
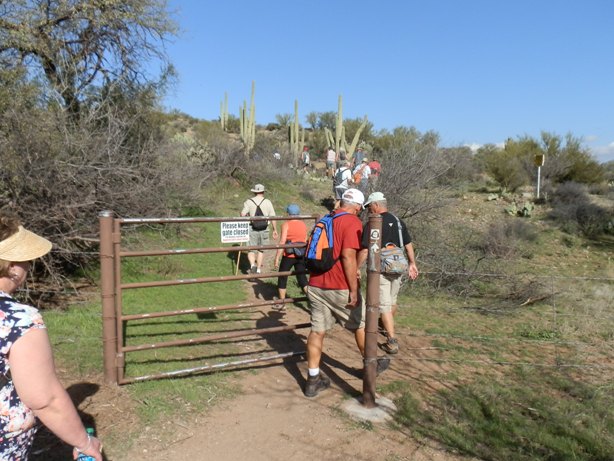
(357, 157)
(30, 387)
(360, 175)
(334, 295)
(394, 231)
(259, 232)
(341, 181)
(376, 170)
(305, 159)
(331, 159)
(292, 231)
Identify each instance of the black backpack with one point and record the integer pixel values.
(261, 224)
(338, 179)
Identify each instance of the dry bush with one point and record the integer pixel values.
(504, 239)
(58, 174)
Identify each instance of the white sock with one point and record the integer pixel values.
(314, 371)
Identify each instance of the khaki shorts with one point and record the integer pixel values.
(328, 307)
(258, 238)
(388, 292)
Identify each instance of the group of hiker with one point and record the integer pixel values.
(359, 172)
(333, 255)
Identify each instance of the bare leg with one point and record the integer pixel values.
(359, 336)
(260, 258)
(388, 322)
(251, 257)
(315, 340)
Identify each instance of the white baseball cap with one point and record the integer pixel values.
(354, 196)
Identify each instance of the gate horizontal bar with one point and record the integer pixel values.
(188, 371)
(220, 278)
(198, 310)
(192, 251)
(206, 339)
(212, 219)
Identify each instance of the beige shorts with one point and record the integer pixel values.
(328, 307)
(258, 238)
(388, 292)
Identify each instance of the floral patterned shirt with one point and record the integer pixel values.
(17, 422)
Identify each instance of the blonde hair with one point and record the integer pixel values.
(9, 225)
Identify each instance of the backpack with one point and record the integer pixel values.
(357, 178)
(338, 179)
(319, 257)
(259, 225)
(392, 257)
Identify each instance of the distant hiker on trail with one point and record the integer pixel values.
(306, 161)
(334, 295)
(259, 231)
(341, 181)
(357, 157)
(331, 159)
(376, 169)
(394, 232)
(360, 175)
(342, 158)
(292, 231)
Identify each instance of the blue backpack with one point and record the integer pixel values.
(319, 257)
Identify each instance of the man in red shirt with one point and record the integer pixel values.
(335, 295)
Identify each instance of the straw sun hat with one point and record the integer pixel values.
(24, 246)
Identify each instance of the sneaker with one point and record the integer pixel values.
(382, 365)
(391, 346)
(258, 271)
(315, 384)
(253, 269)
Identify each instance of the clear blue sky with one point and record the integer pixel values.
(475, 71)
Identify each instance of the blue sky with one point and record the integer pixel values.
(475, 71)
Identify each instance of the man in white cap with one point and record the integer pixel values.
(259, 232)
(394, 231)
(334, 295)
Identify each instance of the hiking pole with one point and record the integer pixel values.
(373, 276)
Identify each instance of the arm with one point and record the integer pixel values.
(38, 387)
(412, 271)
(348, 263)
(273, 223)
(282, 239)
(362, 257)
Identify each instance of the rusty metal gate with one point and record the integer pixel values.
(112, 287)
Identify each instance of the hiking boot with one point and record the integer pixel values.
(391, 346)
(382, 365)
(315, 384)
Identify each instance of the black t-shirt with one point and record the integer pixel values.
(390, 231)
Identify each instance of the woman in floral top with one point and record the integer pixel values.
(29, 387)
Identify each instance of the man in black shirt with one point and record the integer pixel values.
(389, 284)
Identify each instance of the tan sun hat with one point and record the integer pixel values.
(257, 189)
(24, 246)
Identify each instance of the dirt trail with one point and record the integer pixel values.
(272, 420)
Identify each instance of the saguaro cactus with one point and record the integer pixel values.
(296, 143)
(248, 125)
(224, 112)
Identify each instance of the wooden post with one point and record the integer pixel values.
(373, 276)
(107, 292)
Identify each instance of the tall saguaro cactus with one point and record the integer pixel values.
(247, 122)
(224, 112)
(339, 139)
(296, 143)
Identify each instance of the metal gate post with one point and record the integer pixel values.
(107, 292)
(373, 273)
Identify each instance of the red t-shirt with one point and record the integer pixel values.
(347, 233)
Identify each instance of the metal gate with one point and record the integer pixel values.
(112, 287)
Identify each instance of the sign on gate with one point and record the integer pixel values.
(235, 231)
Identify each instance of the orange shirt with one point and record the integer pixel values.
(297, 232)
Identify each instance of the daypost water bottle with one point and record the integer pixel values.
(82, 456)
